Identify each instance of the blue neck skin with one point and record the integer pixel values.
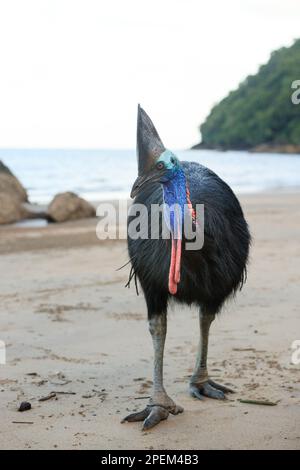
(174, 191)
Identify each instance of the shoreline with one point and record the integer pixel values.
(42, 223)
(285, 149)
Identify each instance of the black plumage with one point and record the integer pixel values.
(210, 275)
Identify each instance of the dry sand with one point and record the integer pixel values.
(70, 326)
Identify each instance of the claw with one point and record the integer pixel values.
(157, 414)
(209, 389)
(195, 392)
(139, 416)
(176, 410)
(152, 415)
(220, 387)
(211, 392)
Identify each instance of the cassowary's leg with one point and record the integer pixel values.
(200, 384)
(160, 404)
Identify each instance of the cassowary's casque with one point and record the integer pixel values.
(205, 277)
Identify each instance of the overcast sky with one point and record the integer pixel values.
(73, 71)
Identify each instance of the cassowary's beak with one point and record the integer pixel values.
(151, 177)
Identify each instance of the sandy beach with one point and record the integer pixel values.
(72, 328)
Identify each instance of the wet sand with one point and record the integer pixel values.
(72, 328)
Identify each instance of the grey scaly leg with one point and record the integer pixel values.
(160, 404)
(200, 384)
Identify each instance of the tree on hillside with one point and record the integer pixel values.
(260, 111)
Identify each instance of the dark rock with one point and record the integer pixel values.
(25, 406)
(69, 206)
(9, 184)
(12, 197)
(11, 209)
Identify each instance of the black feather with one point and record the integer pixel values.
(208, 276)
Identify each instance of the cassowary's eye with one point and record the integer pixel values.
(160, 165)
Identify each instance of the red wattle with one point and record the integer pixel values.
(172, 283)
(175, 264)
(177, 261)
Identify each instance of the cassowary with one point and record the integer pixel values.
(166, 270)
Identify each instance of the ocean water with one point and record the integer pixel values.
(109, 174)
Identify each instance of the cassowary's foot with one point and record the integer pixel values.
(159, 407)
(210, 389)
